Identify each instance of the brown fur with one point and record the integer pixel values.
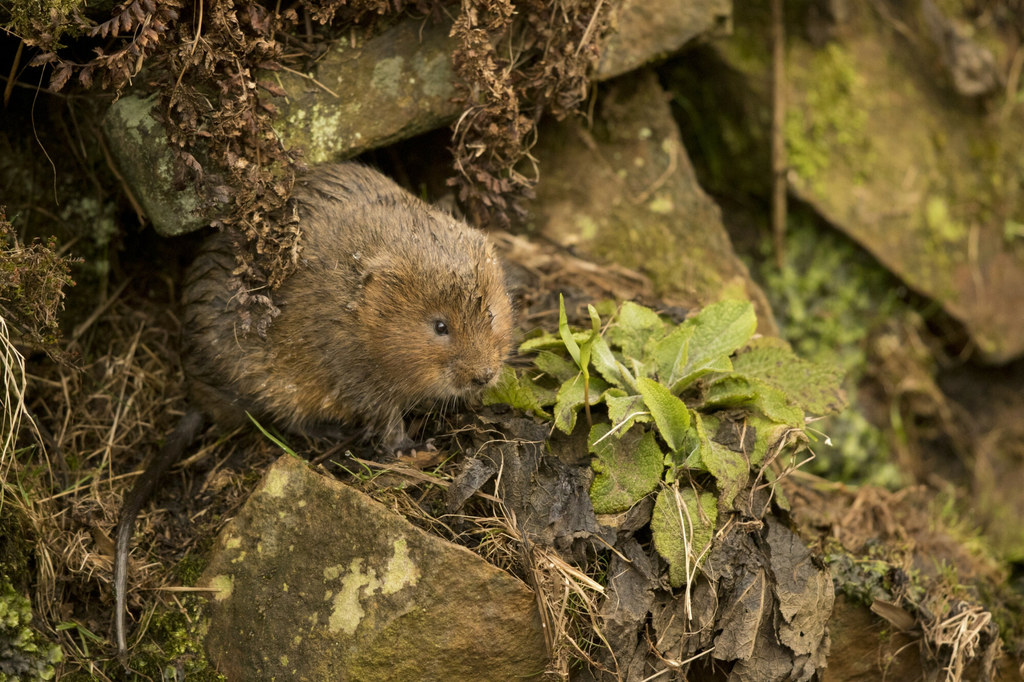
(355, 339)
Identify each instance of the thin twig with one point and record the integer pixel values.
(310, 79)
(14, 69)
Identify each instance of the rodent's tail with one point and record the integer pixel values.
(184, 434)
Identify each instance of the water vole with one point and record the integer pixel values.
(393, 303)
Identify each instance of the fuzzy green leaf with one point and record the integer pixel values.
(569, 400)
(625, 469)
(735, 390)
(767, 434)
(625, 410)
(548, 341)
(730, 470)
(814, 387)
(519, 394)
(718, 330)
(566, 334)
(609, 367)
(670, 354)
(634, 327)
(682, 526)
(555, 365)
(670, 413)
(697, 445)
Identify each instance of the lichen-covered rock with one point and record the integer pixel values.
(395, 85)
(626, 193)
(318, 582)
(139, 145)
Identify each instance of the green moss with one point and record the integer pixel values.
(100, 220)
(173, 647)
(943, 227)
(875, 575)
(24, 653)
(15, 545)
(830, 124)
(190, 568)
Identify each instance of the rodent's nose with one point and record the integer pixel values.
(483, 378)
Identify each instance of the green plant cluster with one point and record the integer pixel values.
(24, 653)
(682, 407)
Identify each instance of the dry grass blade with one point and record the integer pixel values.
(570, 601)
(13, 365)
(961, 632)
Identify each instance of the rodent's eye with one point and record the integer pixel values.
(440, 328)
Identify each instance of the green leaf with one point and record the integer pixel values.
(731, 472)
(670, 413)
(548, 341)
(555, 365)
(670, 354)
(515, 392)
(718, 330)
(625, 469)
(566, 334)
(271, 437)
(609, 367)
(767, 437)
(625, 410)
(569, 400)
(682, 526)
(729, 391)
(814, 387)
(697, 445)
(634, 326)
(595, 321)
(735, 390)
(587, 346)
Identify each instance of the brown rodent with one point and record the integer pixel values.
(393, 303)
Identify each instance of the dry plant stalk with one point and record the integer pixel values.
(962, 632)
(12, 364)
(569, 600)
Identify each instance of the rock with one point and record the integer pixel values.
(626, 193)
(878, 146)
(317, 581)
(138, 143)
(395, 85)
(646, 31)
(970, 67)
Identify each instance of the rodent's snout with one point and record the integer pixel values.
(484, 377)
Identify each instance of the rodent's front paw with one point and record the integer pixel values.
(395, 438)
